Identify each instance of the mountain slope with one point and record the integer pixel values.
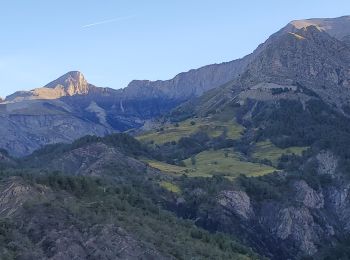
(307, 62)
(93, 199)
(308, 57)
(294, 93)
(26, 126)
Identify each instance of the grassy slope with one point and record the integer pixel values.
(170, 186)
(220, 162)
(209, 163)
(267, 150)
(165, 167)
(225, 162)
(213, 128)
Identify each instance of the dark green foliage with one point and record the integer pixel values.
(260, 188)
(211, 185)
(173, 152)
(133, 206)
(290, 123)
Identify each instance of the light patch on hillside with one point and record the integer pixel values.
(301, 24)
(226, 163)
(299, 37)
(170, 187)
(165, 167)
(173, 132)
(267, 150)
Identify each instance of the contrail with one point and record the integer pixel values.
(108, 21)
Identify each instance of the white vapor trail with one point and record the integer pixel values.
(108, 21)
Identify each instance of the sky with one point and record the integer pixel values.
(115, 41)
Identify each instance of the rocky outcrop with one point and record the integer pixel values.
(327, 163)
(236, 202)
(73, 83)
(301, 219)
(14, 192)
(96, 242)
(307, 196)
(292, 225)
(336, 27)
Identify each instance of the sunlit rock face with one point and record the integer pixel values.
(72, 83)
(336, 27)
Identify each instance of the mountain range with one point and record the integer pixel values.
(246, 159)
(313, 53)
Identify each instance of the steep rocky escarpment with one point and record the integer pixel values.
(190, 84)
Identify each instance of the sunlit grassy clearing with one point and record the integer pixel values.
(267, 150)
(225, 163)
(186, 128)
(165, 167)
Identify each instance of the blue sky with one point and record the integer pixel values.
(115, 41)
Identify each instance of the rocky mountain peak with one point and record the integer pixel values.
(72, 82)
(336, 27)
